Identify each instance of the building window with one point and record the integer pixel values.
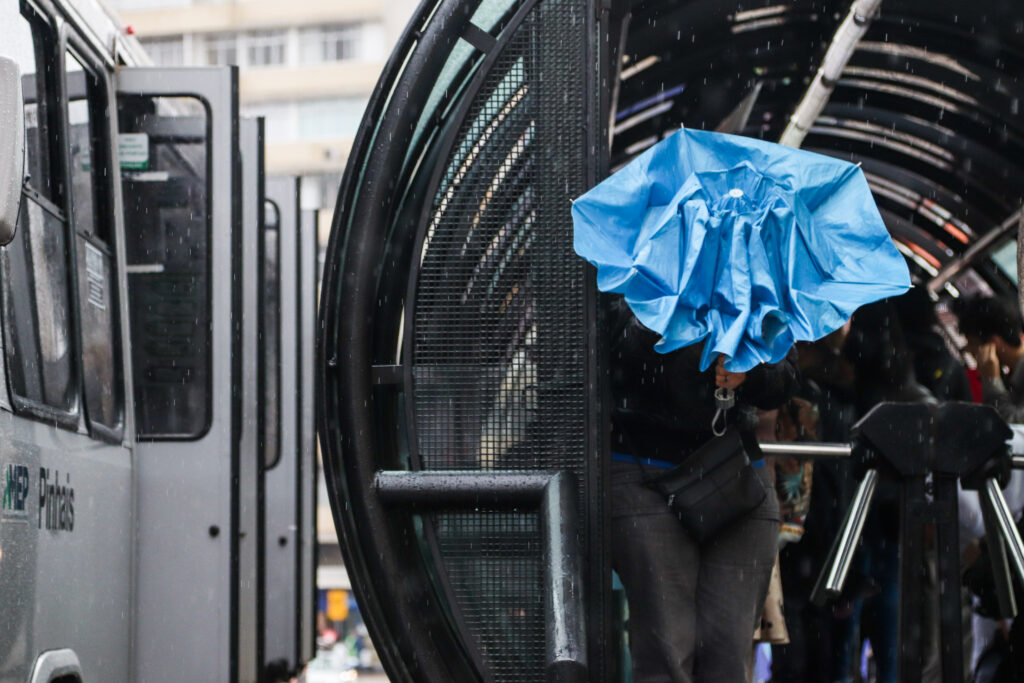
(330, 43)
(165, 51)
(334, 118)
(267, 48)
(130, 5)
(279, 125)
(221, 48)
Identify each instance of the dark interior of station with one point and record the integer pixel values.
(460, 337)
(929, 104)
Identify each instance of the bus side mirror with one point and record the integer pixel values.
(12, 147)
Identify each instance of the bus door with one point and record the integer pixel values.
(307, 455)
(178, 149)
(249, 470)
(282, 539)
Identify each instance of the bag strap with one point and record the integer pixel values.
(747, 437)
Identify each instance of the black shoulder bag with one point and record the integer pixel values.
(714, 486)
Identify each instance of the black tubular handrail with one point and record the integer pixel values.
(365, 407)
(375, 546)
(553, 495)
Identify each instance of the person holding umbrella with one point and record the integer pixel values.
(693, 607)
(720, 252)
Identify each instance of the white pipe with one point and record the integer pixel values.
(849, 33)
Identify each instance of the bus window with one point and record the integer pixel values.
(90, 219)
(164, 149)
(36, 312)
(84, 98)
(25, 37)
(271, 337)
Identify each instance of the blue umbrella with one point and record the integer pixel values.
(747, 245)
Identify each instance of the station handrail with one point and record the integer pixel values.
(806, 449)
(831, 450)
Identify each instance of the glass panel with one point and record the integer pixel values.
(168, 241)
(90, 221)
(271, 336)
(99, 343)
(486, 17)
(84, 153)
(1005, 257)
(23, 42)
(35, 304)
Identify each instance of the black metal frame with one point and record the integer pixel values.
(390, 576)
(360, 303)
(492, 48)
(553, 494)
(948, 442)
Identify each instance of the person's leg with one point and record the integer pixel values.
(885, 631)
(735, 569)
(792, 662)
(657, 563)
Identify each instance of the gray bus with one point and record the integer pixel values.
(154, 380)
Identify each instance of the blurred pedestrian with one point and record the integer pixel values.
(992, 327)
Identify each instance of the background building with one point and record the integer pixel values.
(308, 66)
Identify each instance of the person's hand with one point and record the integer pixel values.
(726, 379)
(988, 361)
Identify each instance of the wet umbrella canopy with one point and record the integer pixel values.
(748, 244)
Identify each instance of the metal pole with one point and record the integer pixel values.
(843, 45)
(1020, 259)
(805, 449)
(553, 495)
(914, 506)
(948, 555)
(563, 582)
(999, 561)
(833, 576)
(1007, 528)
(458, 489)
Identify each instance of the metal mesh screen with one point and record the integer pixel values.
(498, 325)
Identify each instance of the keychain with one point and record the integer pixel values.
(724, 399)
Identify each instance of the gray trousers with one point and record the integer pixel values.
(692, 609)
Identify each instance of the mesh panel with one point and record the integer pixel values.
(498, 328)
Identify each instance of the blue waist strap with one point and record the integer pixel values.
(626, 457)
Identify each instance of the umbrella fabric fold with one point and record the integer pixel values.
(749, 245)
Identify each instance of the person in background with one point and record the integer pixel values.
(992, 327)
(935, 366)
(827, 384)
(877, 348)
